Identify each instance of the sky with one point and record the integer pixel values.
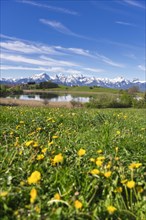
(102, 38)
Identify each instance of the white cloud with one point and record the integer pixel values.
(95, 70)
(135, 3)
(141, 67)
(109, 61)
(124, 23)
(48, 7)
(42, 61)
(57, 26)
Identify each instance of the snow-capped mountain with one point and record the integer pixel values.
(79, 80)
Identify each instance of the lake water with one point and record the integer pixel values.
(52, 97)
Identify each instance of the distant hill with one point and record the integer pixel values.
(79, 80)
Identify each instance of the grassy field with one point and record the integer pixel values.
(66, 164)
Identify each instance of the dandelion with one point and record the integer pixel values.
(57, 196)
(78, 204)
(58, 158)
(40, 156)
(99, 162)
(118, 189)
(55, 137)
(21, 122)
(92, 159)
(135, 165)
(34, 178)
(95, 172)
(130, 184)
(35, 144)
(139, 189)
(118, 132)
(33, 195)
(107, 174)
(101, 158)
(3, 194)
(111, 209)
(39, 129)
(81, 152)
(44, 150)
(50, 143)
(28, 143)
(100, 151)
(124, 181)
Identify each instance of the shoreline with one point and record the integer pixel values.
(33, 103)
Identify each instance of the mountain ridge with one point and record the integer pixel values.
(79, 80)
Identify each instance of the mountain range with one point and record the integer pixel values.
(79, 80)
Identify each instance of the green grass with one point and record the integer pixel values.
(31, 138)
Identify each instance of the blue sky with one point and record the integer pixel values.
(102, 38)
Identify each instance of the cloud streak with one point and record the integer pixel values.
(141, 67)
(135, 3)
(48, 7)
(124, 23)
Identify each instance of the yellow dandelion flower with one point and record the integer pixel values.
(58, 158)
(118, 189)
(28, 143)
(95, 172)
(118, 132)
(39, 129)
(44, 150)
(99, 162)
(116, 149)
(3, 194)
(81, 152)
(135, 165)
(100, 158)
(92, 159)
(34, 178)
(17, 127)
(35, 144)
(111, 209)
(21, 122)
(78, 204)
(108, 166)
(108, 174)
(130, 184)
(124, 181)
(139, 189)
(22, 183)
(57, 196)
(33, 195)
(50, 143)
(100, 151)
(116, 158)
(40, 156)
(55, 137)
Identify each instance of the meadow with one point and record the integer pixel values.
(72, 164)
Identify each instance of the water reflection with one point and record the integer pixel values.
(53, 97)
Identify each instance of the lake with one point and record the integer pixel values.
(51, 97)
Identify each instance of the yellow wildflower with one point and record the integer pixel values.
(135, 165)
(92, 159)
(28, 143)
(35, 144)
(99, 151)
(111, 209)
(40, 156)
(39, 129)
(95, 172)
(78, 204)
(118, 189)
(107, 174)
(57, 196)
(58, 158)
(44, 150)
(118, 132)
(130, 184)
(124, 181)
(3, 194)
(34, 178)
(33, 195)
(99, 162)
(50, 143)
(81, 152)
(21, 122)
(17, 127)
(116, 149)
(108, 166)
(116, 158)
(22, 183)
(139, 189)
(101, 158)
(55, 137)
